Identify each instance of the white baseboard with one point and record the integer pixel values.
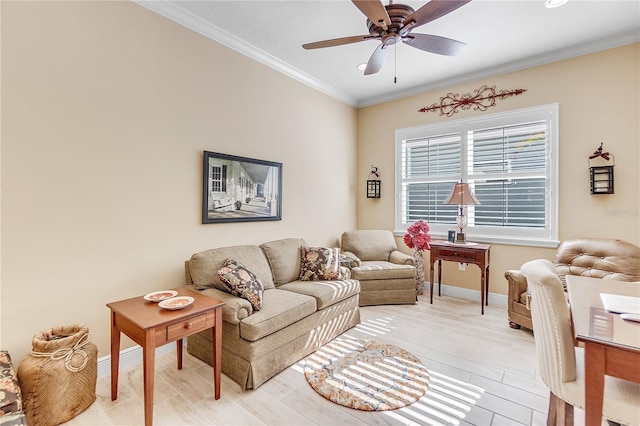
(132, 356)
(469, 294)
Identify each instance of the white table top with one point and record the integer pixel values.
(590, 319)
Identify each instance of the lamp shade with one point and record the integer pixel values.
(461, 195)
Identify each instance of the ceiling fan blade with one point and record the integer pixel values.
(338, 41)
(377, 60)
(434, 44)
(375, 11)
(430, 12)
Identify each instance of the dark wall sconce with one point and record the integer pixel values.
(373, 183)
(601, 177)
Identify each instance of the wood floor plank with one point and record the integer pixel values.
(482, 373)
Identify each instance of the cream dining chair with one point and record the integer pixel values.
(560, 363)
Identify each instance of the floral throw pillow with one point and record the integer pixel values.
(319, 263)
(241, 282)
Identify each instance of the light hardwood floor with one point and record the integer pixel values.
(482, 373)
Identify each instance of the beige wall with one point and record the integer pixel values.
(107, 107)
(599, 96)
(106, 110)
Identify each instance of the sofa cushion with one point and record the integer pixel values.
(326, 293)
(380, 270)
(319, 263)
(280, 309)
(241, 282)
(284, 258)
(204, 266)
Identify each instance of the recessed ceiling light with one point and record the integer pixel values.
(362, 67)
(554, 3)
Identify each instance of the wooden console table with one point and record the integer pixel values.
(151, 326)
(475, 253)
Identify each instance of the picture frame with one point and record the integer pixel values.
(240, 189)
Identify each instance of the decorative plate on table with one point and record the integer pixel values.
(176, 302)
(158, 296)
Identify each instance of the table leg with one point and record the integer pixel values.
(149, 359)
(217, 352)
(482, 290)
(594, 365)
(115, 356)
(431, 281)
(179, 353)
(486, 286)
(439, 276)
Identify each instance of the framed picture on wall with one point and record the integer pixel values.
(239, 189)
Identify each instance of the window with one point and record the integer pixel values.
(508, 159)
(219, 178)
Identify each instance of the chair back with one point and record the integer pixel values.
(605, 258)
(369, 244)
(551, 321)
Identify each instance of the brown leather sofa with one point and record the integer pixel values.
(591, 257)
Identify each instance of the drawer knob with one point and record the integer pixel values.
(188, 325)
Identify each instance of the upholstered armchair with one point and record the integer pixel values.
(386, 275)
(592, 257)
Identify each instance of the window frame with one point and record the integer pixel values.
(547, 237)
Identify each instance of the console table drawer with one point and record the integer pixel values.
(187, 327)
(458, 255)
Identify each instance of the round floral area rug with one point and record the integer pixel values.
(366, 375)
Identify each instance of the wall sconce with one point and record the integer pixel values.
(601, 177)
(461, 195)
(373, 183)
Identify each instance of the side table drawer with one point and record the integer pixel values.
(186, 327)
(457, 254)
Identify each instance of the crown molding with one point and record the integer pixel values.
(183, 17)
(612, 42)
(177, 14)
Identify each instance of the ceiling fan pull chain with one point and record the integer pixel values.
(395, 65)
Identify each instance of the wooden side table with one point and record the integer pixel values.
(475, 253)
(151, 326)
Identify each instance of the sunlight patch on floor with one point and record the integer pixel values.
(448, 401)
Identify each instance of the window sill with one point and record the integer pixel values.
(495, 239)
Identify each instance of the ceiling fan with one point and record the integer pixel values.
(393, 23)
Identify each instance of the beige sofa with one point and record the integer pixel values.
(297, 317)
(387, 276)
(592, 257)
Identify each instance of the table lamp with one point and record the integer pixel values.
(461, 195)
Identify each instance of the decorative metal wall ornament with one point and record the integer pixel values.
(483, 98)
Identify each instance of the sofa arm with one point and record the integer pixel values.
(11, 403)
(400, 258)
(355, 260)
(517, 284)
(235, 308)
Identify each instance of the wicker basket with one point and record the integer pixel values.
(58, 379)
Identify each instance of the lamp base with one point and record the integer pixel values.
(460, 237)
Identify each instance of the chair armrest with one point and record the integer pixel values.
(354, 259)
(400, 258)
(517, 284)
(235, 308)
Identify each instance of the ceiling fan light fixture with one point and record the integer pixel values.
(362, 67)
(392, 24)
(550, 4)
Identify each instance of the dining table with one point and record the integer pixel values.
(611, 342)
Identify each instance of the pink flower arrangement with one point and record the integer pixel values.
(417, 236)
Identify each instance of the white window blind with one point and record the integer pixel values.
(509, 161)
